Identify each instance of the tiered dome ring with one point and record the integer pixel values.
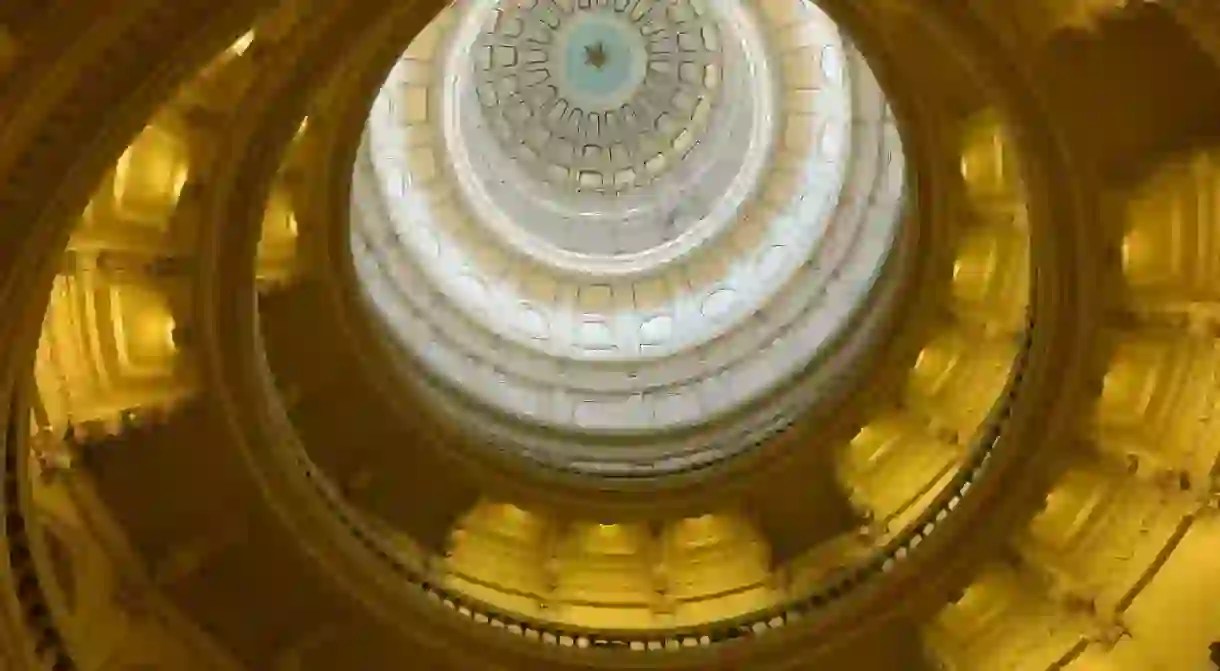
(610, 304)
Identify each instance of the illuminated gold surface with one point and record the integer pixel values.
(1126, 540)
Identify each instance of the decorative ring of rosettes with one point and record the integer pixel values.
(616, 174)
(598, 95)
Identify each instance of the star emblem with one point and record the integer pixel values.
(596, 56)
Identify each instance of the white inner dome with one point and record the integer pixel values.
(559, 303)
(553, 152)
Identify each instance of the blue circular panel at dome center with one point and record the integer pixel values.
(602, 60)
(597, 59)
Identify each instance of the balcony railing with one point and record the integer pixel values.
(47, 643)
(417, 572)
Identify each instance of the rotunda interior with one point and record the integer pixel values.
(596, 334)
